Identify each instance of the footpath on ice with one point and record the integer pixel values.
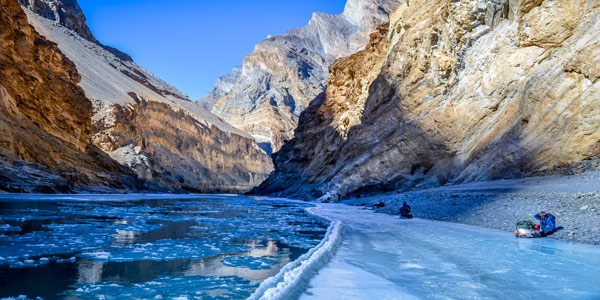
(384, 257)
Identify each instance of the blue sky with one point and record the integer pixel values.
(190, 43)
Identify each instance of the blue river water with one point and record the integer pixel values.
(147, 246)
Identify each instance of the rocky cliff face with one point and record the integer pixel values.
(452, 91)
(284, 73)
(45, 118)
(66, 12)
(151, 127)
(69, 14)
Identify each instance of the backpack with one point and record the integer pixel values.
(525, 225)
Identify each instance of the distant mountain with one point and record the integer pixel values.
(265, 96)
(146, 124)
(451, 92)
(45, 118)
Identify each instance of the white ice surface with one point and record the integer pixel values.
(384, 257)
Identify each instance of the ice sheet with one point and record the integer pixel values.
(385, 257)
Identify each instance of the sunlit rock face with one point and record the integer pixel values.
(265, 96)
(151, 127)
(45, 118)
(450, 92)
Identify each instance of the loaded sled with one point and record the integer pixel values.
(526, 229)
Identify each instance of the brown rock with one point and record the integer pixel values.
(149, 126)
(45, 118)
(265, 96)
(456, 91)
(175, 152)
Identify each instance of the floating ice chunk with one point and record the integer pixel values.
(250, 262)
(9, 228)
(72, 259)
(97, 256)
(171, 287)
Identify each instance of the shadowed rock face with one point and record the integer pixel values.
(45, 118)
(66, 12)
(449, 92)
(284, 73)
(154, 129)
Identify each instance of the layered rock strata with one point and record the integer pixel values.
(151, 127)
(45, 118)
(449, 92)
(265, 96)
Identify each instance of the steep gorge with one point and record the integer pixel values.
(452, 91)
(265, 96)
(145, 124)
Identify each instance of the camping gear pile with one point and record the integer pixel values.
(527, 229)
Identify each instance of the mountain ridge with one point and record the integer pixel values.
(45, 118)
(151, 127)
(285, 72)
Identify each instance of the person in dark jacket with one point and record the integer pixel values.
(547, 222)
(405, 211)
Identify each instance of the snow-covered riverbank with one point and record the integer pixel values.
(384, 257)
(574, 200)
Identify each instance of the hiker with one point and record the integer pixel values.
(405, 211)
(547, 223)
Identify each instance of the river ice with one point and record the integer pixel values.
(206, 247)
(384, 257)
(147, 246)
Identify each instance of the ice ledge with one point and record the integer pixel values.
(291, 281)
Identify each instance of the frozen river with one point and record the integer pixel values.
(226, 247)
(147, 246)
(384, 257)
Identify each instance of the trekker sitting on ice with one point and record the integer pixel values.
(547, 223)
(405, 211)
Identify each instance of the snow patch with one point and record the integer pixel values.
(130, 156)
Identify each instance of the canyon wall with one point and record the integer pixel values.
(45, 118)
(148, 125)
(449, 92)
(265, 96)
